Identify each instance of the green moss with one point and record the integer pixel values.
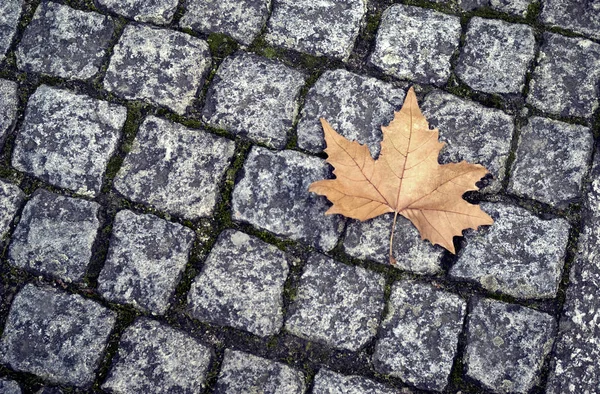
(533, 11)
(221, 45)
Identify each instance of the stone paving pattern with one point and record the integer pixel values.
(157, 235)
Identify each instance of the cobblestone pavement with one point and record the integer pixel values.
(157, 235)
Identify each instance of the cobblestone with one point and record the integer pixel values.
(513, 7)
(160, 12)
(9, 387)
(11, 198)
(9, 102)
(329, 382)
(581, 17)
(10, 10)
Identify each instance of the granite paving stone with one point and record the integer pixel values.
(507, 345)
(254, 97)
(513, 7)
(241, 285)
(418, 339)
(160, 12)
(67, 139)
(11, 198)
(579, 16)
(520, 255)
(174, 168)
(64, 42)
(155, 358)
(272, 194)
(9, 387)
(9, 102)
(50, 390)
(320, 28)
(55, 236)
(160, 66)
(416, 44)
(57, 336)
(10, 10)
(329, 382)
(146, 258)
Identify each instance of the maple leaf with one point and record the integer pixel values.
(406, 179)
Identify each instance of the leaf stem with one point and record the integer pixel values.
(392, 259)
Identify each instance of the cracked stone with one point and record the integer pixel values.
(160, 12)
(580, 16)
(9, 102)
(9, 387)
(10, 11)
(513, 7)
(329, 382)
(11, 198)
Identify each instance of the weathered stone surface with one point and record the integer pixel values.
(564, 82)
(57, 336)
(153, 11)
(245, 373)
(55, 236)
(551, 161)
(146, 258)
(10, 10)
(323, 28)
(496, 56)
(9, 387)
(50, 390)
(67, 139)
(9, 102)
(419, 337)
(163, 67)
(580, 16)
(514, 7)
(355, 106)
(329, 382)
(241, 285)
(11, 198)
(519, 255)
(65, 42)
(254, 97)
(272, 194)
(506, 345)
(416, 44)
(174, 168)
(154, 358)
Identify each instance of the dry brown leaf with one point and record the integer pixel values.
(406, 179)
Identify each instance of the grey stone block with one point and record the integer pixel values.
(513, 7)
(323, 28)
(254, 97)
(10, 10)
(55, 236)
(355, 106)
(174, 168)
(419, 337)
(245, 373)
(160, 12)
(241, 285)
(272, 194)
(50, 390)
(336, 304)
(162, 67)
(519, 255)
(154, 358)
(9, 387)
(9, 102)
(67, 139)
(146, 258)
(65, 42)
(59, 337)
(580, 16)
(506, 345)
(329, 382)
(416, 44)
(564, 82)
(11, 198)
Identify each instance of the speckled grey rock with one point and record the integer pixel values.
(513, 7)
(59, 337)
(254, 97)
(355, 106)
(9, 102)
(496, 55)
(64, 42)
(419, 337)
(50, 390)
(67, 139)
(564, 82)
(323, 28)
(241, 285)
(160, 12)
(336, 304)
(329, 382)
(580, 16)
(506, 345)
(146, 257)
(163, 67)
(416, 44)
(551, 160)
(519, 255)
(240, 19)
(272, 194)
(154, 358)
(9, 387)
(55, 236)
(245, 373)
(10, 10)
(174, 168)
(11, 198)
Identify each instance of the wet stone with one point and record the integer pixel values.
(59, 337)
(154, 358)
(323, 28)
(10, 10)
(336, 304)
(64, 42)
(67, 139)
(175, 169)
(163, 67)
(55, 236)
(146, 258)
(160, 12)
(519, 255)
(9, 102)
(329, 382)
(11, 198)
(506, 345)
(9, 387)
(241, 285)
(416, 44)
(513, 7)
(580, 16)
(419, 337)
(254, 97)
